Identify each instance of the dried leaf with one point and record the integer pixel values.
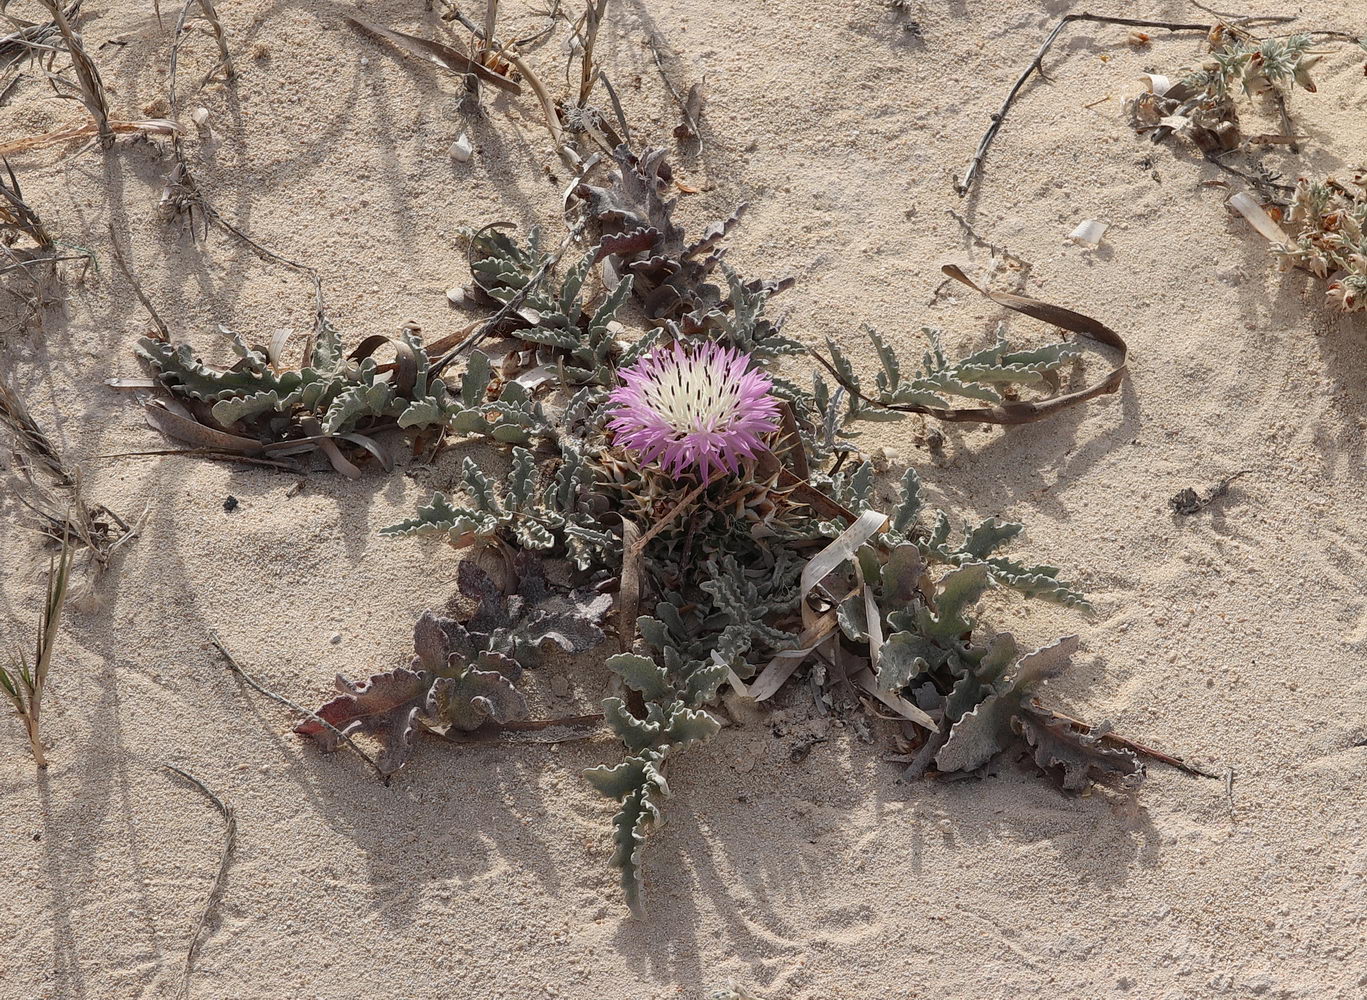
(687, 130)
(184, 428)
(1077, 756)
(385, 707)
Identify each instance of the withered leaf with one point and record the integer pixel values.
(687, 130)
(385, 707)
(1076, 756)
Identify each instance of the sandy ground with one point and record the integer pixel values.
(1237, 637)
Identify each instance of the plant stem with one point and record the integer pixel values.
(490, 23)
(965, 185)
(35, 741)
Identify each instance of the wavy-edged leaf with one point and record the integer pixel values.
(641, 674)
(384, 706)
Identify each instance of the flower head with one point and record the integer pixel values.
(704, 408)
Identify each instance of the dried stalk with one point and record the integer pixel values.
(23, 683)
(965, 184)
(216, 889)
(150, 126)
(225, 63)
(1114, 739)
(490, 26)
(90, 88)
(593, 17)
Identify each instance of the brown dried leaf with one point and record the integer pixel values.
(687, 130)
(386, 707)
(1075, 756)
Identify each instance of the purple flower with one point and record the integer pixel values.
(704, 408)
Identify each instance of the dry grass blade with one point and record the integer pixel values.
(24, 681)
(79, 524)
(439, 54)
(89, 88)
(225, 63)
(17, 215)
(27, 248)
(31, 39)
(215, 890)
(30, 437)
(148, 127)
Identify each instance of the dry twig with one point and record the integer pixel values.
(965, 184)
(313, 716)
(216, 889)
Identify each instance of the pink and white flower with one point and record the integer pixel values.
(703, 408)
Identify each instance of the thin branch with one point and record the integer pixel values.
(122, 263)
(1242, 20)
(192, 196)
(655, 44)
(215, 890)
(964, 185)
(995, 249)
(313, 716)
(1129, 744)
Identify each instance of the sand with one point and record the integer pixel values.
(1237, 637)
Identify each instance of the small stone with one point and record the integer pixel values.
(461, 150)
(229, 504)
(200, 116)
(335, 638)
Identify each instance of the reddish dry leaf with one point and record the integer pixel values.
(384, 707)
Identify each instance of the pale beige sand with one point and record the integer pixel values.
(1238, 637)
